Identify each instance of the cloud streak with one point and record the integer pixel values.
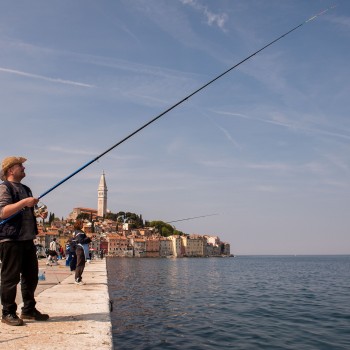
(283, 122)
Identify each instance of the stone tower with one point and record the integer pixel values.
(102, 196)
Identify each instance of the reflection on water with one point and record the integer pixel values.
(226, 303)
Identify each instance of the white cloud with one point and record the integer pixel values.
(211, 17)
(342, 21)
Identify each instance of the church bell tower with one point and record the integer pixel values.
(102, 196)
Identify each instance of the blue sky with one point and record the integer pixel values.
(267, 147)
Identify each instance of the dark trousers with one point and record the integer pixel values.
(19, 263)
(73, 261)
(80, 263)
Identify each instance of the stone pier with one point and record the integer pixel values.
(79, 315)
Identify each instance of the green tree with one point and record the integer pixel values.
(133, 219)
(51, 218)
(162, 227)
(121, 213)
(166, 232)
(83, 216)
(179, 233)
(112, 216)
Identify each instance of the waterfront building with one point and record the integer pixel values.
(95, 244)
(118, 245)
(183, 244)
(176, 245)
(196, 246)
(217, 250)
(226, 249)
(139, 245)
(103, 244)
(213, 246)
(214, 240)
(152, 247)
(209, 249)
(166, 247)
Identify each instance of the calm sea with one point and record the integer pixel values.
(300, 302)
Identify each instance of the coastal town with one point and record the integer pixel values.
(117, 239)
(127, 235)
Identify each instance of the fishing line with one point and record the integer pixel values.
(195, 217)
(175, 105)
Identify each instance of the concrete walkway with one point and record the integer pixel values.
(79, 315)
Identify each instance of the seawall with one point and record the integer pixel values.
(79, 315)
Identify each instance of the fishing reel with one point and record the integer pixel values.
(40, 209)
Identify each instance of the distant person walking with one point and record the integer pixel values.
(52, 257)
(81, 250)
(61, 252)
(17, 249)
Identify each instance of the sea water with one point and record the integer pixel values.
(248, 302)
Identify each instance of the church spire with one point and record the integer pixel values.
(102, 196)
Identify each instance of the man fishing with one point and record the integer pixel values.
(17, 249)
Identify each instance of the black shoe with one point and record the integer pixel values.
(12, 320)
(34, 315)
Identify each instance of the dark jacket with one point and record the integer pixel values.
(79, 238)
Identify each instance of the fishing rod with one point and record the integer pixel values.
(195, 217)
(175, 105)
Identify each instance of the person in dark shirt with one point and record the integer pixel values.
(81, 244)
